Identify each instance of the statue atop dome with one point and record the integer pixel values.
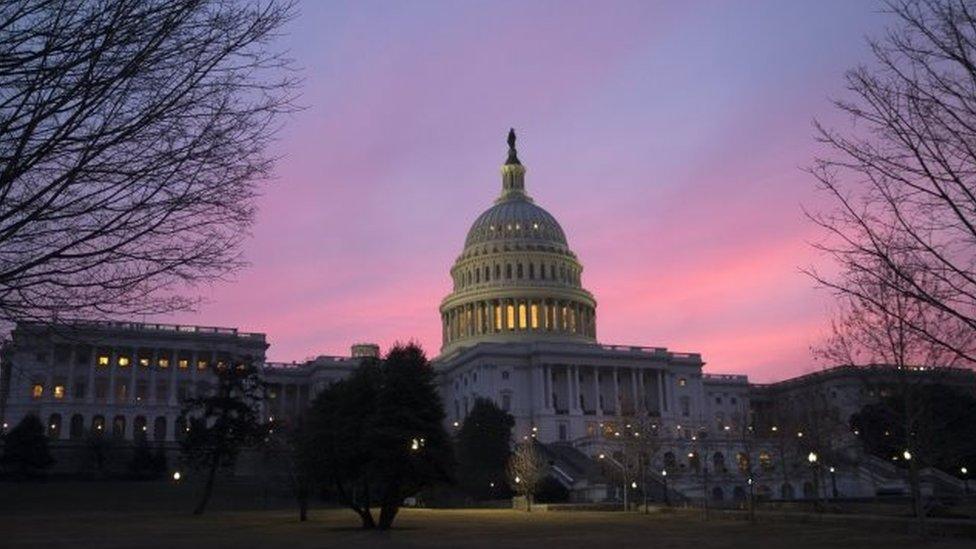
(512, 153)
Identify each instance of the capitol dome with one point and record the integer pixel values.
(516, 278)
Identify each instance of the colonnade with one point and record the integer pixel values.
(518, 315)
(604, 390)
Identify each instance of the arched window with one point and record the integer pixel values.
(508, 271)
(523, 323)
(498, 271)
(786, 491)
(764, 492)
(742, 459)
(808, 490)
(669, 461)
(77, 428)
(765, 461)
(511, 317)
(718, 494)
(139, 427)
(477, 276)
(118, 427)
(180, 428)
(159, 428)
(98, 425)
(519, 272)
(531, 271)
(738, 493)
(718, 462)
(54, 426)
(487, 273)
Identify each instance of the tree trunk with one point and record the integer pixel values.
(387, 513)
(208, 487)
(528, 502)
(366, 517)
(303, 505)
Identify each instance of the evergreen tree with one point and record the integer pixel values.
(25, 451)
(222, 423)
(483, 448)
(378, 436)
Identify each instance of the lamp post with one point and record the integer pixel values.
(812, 458)
(667, 498)
(965, 479)
(623, 472)
(833, 483)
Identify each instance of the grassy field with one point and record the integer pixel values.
(157, 515)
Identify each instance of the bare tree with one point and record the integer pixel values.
(901, 180)
(640, 442)
(526, 470)
(132, 135)
(883, 328)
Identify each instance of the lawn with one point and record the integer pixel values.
(127, 514)
(430, 528)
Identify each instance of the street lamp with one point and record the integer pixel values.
(667, 498)
(812, 458)
(907, 455)
(833, 482)
(965, 479)
(623, 472)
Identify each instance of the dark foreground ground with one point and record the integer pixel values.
(130, 515)
(435, 528)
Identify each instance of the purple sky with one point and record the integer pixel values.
(667, 138)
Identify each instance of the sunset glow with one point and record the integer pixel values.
(668, 141)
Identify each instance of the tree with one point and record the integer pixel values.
(132, 135)
(484, 444)
(900, 182)
(883, 329)
(949, 443)
(222, 423)
(378, 437)
(289, 455)
(640, 441)
(25, 450)
(526, 470)
(146, 464)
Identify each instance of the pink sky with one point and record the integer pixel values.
(667, 140)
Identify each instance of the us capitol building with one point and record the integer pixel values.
(520, 329)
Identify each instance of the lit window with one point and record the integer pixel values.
(522, 323)
(498, 317)
(682, 382)
(183, 364)
(103, 360)
(124, 361)
(37, 391)
(144, 362)
(535, 316)
(511, 317)
(59, 392)
(201, 365)
(163, 362)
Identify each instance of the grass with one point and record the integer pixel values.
(121, 516)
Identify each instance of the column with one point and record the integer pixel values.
(596, 391)
(153, 366)
(69, 386)
(642, 391)
(576, 390)
(661, 403)
(546, 390)
(92, 366)
(633, 388)
(194, 358)
(616, 391)
(112, 366)
(174, 366)
(134, 366)
(569, 389)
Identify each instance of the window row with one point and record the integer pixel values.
(131, 356)
(122, 391)
(79, 428)
(516, 271)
